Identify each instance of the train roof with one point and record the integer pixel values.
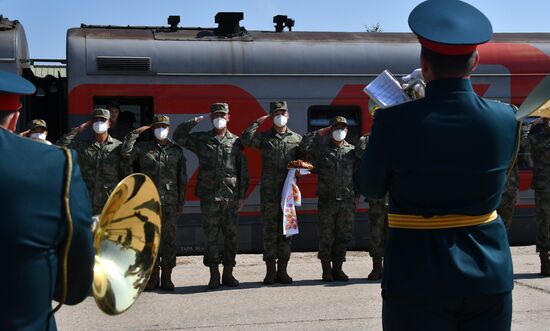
(14, 51)
(158, 50)
(209, 34)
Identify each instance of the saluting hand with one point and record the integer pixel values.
(201, 118)
(262, 119)
(83, 126)
(25, 133)
(324, 131)
(142, 129)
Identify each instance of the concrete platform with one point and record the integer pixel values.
(308, 304)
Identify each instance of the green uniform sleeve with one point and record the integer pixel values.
(185, 138)
(250, 137)
(128, 144)
(182, 179)
(68, 140)
(244, 179)
(307, 148)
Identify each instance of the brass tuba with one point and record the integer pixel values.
(126, 240)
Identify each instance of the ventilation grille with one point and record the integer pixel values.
(123, 64)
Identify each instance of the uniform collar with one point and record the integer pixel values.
(344, 144)
(227, 134)
(109, 140)
(288, 132)
(440, 87)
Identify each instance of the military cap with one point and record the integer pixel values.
(161, 119)
(38, 123)
(338, 120)
(219, 107)
(101, 113)
(277, 105)
(11, 87)
(537, 102)
(450, 27)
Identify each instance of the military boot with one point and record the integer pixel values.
(153, 279)
(271, 272)
(227, 277)
(214, 278)
(377, 269)
(282, 275)
(544, 263)
(337, 272)
(327, 271)
(166, 279)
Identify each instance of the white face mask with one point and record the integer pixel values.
(219, 123)
(100, 127)
(339, 135)
(161, 133)
(280, 120)
(39, 135)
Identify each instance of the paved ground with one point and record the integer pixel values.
(308, 304)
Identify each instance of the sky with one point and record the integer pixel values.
(46, 21)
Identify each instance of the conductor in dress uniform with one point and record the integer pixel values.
(444, 160)
(33, 225)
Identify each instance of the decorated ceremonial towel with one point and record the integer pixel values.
(290, 198)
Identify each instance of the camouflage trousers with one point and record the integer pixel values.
(276, 245)
(216, 216)
(167, 249)
(507, 206)
(542, 220)
(335, 229)
(377, 226)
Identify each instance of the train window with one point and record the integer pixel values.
(134, 112)
(319, 117)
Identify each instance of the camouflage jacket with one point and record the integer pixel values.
(277, 150)
(100, 165)
(512, 182)
(165, 164)
(223, 169)
(540, 153)
(334, 164)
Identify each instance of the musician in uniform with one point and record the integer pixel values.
(444, 160)
(33, 222)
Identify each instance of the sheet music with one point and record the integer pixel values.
(386, 91)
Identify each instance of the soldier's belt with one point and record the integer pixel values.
(403, 221)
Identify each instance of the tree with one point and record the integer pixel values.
(374, 27)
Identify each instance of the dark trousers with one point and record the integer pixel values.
(452, 313)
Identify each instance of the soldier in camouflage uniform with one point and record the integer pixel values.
(377, 226)
(221, 186)
(509, 197)
(99, 158)
(334, 160)
(38, 131)
(163, 161)
(278, 147)
(540, 152)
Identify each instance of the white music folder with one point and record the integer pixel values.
(386, 91)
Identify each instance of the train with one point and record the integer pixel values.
(181, 71)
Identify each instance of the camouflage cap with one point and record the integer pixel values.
(219, 107)
(161, 119)
(274, 106)
(101, 113)
(339, 120)
(38, 123)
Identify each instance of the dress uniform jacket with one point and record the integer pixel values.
(445, 154)
(34, 231)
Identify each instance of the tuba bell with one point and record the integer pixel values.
(126, 238)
